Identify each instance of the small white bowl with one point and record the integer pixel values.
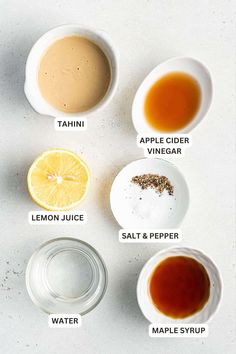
(31, 87)
(136, 208)
(152, 313)
(182, 64)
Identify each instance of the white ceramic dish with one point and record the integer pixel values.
(137, 208)
(31, 87)
(182, 64)
(152, 313)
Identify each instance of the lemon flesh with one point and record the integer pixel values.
(58, 180)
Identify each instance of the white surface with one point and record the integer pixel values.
(146, 33)
(190, 66)
(136, 208)
(145, 302)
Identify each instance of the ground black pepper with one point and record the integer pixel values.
(154, 181)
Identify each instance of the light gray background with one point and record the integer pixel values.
(146, 33)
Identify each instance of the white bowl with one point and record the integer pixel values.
(183, 64)
(31, 87)
(152, 313)
(152, 210)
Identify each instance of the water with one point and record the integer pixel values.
(69, 274)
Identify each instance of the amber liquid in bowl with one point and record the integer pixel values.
(172, 102)
(179, 287)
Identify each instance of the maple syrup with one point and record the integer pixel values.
(179, 287)
(172, 102)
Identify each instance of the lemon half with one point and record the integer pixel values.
(58, 180)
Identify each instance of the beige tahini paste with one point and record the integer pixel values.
(74, 74)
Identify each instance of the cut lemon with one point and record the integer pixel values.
(58, 180)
